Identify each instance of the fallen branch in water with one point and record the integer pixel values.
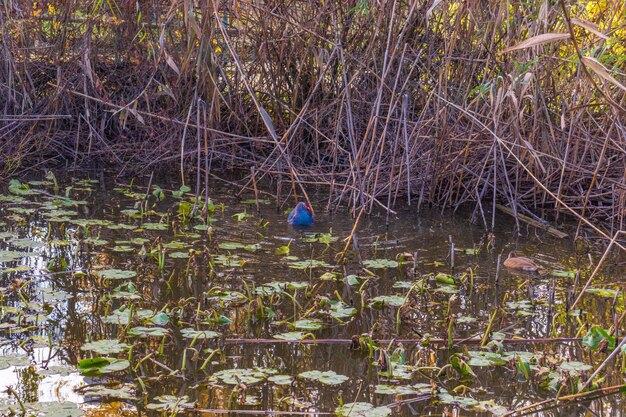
(474, 341)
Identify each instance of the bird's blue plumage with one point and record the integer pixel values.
(302, 215)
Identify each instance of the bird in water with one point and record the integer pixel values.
(302, 215)
(520, 262)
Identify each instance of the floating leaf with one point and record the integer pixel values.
(362, 409)
(311, 263)
(105, 346)
(574, 367)
(380, 263)
(281, 379)
(142, 331)
(595, 336)
(13, 359)
(124, 392)
(101, 366)
(155, 226)
(482, 358)
(291, 336)
(351, 279)
(198, 334)
(242, 375)
(115, 274)
(326, 378)
(308, 324)
(387, 300)
(170, 403)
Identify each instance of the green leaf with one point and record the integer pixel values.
(380, 263)
(101, 366)
(105, 346)
(308, 324)
(141, 331)
(115, 274)
(387, 300)
(199, 334)
(595, 336)
(362, 409)
(326, 378)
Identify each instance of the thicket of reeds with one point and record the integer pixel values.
(379, 102)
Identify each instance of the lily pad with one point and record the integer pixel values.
(362, 409)
(281, 379)
(380, 263)
(308, 324)
(242, 375)
(170, 403)
(326, 377)
(142, 331)
(387, 300)
(105, 346)
(575, 367)
(13, 359)
(199, 334)
(116, 274)
(291, 336)
(101, 366)
(311, 263)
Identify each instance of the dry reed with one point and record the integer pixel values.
(375, 100)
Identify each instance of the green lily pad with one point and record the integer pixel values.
(308, 324)
(291, 336)
(142, 331)
(170, 403)
(341, 310)
(362, 409)
(25, 243)
(115, 274)
(242, 375)
(105, 346)
(125, 392)
(10, 256)
(380, 263)
(101, 366)
(199, 334)
(13, 359)
(311, 263)
(231, 245)
(326, 377)
(387, 300)
(575, 367)
(155, 226)
(483, 358)
(281, 379)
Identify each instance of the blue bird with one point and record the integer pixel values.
(302, 215)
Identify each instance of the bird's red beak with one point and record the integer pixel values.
(309, 208)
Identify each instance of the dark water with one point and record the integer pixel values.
(224, 275)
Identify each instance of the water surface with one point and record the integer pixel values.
(192, 307)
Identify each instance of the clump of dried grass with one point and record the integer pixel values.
(377, 100)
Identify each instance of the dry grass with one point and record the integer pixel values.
(375, 100)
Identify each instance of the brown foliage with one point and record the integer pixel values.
(375, 99)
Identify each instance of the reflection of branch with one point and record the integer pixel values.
(597, 268)
(582, 60)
